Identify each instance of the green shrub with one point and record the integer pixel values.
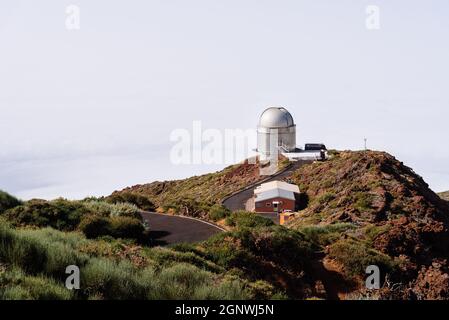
(226, 290)
(247, 219)
(262, 290)
(67, 215)
(372, 231)
(140, 201)
(221, 249)
(113, 210)
(287, 248)
(94, 226)
(355, 256)
(246, 248)
(184, 281)
(38, 259)
(111, 280)
(164, 257)
(60, 214)
(16, 285)
(126, 227)
(363, 201)
(7, 201)
(35, 253)
(21, 251)
(218, 212)
(323, 235)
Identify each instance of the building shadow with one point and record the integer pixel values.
(302, 201)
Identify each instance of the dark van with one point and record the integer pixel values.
(315, 147)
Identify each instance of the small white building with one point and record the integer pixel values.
(275, 196)
(276, 134)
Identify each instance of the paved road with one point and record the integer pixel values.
(166, 229)
(237, 201)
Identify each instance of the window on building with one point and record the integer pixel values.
(268, 204)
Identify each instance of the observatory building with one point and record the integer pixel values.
(276, 132)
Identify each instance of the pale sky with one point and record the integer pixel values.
(88, 111)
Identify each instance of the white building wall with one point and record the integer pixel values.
(282, 137)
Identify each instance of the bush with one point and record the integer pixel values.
(323, 235)
(184, 281)
(247, 219)
(363, 201)
(109, 209)
(7, 201)
(355, 256)
(262, 290)
(222, 249)
(242, 248)
(34, 252)
(164, 257)
(94, 226)
(126, 227)
(140, 201)
(287, 248)
(60, 214)
(111, 280)
(218, 212)
(37, 260)
(16, 285)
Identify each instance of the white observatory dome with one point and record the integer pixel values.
(275, 117)
(276, 132)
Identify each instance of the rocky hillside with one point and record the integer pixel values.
(363, 208)
(374, 205)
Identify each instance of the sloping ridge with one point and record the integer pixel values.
(391, 209)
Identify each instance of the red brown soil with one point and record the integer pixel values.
(373, 189)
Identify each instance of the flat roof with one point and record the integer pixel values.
(276, 185)
(275, 193)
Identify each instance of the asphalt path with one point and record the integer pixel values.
(168, 229)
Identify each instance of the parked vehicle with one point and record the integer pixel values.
(315, 147)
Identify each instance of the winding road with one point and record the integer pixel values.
(168, 229)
